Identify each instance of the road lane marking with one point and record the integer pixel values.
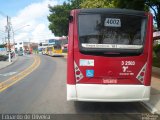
(20, 74)
(8, 74)
(4, 85)
(14, 79)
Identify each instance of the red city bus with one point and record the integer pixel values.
(109, 55)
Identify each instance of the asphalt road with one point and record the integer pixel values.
(44, 91)
(22, 63)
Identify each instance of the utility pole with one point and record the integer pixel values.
(8, 34)
(8, 28)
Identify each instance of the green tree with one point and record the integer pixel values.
(155, 7)
(97, 4)
(2, 45)
(130, 4)
(76, 4)
(59, 19)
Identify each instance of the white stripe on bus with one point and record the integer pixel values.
(112, 46)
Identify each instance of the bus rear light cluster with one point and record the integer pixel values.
(140, 75)
(78, 73)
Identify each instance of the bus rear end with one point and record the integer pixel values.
(109, 55)
(57, 51)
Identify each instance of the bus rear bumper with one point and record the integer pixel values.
(57, 55)
(108, 93)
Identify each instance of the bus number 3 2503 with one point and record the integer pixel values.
(128, 63)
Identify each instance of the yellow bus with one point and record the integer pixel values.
(55, 50)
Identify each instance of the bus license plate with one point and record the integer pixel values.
(110, 81)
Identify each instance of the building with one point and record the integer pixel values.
(26, 47)
(21, 46)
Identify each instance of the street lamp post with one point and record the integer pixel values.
(8, 34)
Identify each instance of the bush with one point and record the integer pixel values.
(156, 62)
(156, 48)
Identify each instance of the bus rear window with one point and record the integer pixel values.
(57, 47)
(112, 33)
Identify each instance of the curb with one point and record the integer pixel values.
(65, 55)
(150, 107)
(10, 63)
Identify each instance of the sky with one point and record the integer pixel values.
(28, 19)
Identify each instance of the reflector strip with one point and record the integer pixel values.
(78, 73)
(141, 74)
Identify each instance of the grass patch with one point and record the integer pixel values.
(156, 62)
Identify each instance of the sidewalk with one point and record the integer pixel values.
(4, 64)
(154, 103)
(65, 55)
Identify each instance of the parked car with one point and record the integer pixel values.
(3, 57)
(20, 53)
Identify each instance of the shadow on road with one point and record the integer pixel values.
(108, 111)
(109, 107)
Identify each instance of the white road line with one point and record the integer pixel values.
(8, 74)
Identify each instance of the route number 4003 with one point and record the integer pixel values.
(128, 63)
